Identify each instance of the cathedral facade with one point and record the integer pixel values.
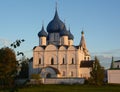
(57, 56)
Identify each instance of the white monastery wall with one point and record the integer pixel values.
(113, 76)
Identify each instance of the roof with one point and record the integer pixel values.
(58, 46)
(55, 69)
(64, 32)
(82, 42)
(85, 64)
(55, 25)
(70, 36)
(42, 33)
(117, 61)
(31, 59)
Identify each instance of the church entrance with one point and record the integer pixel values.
(48, 75)
(49, 72)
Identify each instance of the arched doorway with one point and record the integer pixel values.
(48, 75)
(49, 72)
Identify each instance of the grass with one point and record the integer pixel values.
(71, 88)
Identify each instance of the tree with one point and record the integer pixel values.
(17, 43)
(112, 64)
(23, 68)
(8, 66)
(97, 73)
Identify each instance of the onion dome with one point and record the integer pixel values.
(70, 36)
(56, 25)
(64, 32)
(42, 33)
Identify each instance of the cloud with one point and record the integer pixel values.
(105, 61)
(110, 53)
(105, 57)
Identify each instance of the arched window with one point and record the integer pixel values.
(88, 58)
(39, 60)
(84, 58)
(72, 61)
(71, 73)
(117, 66)
(52, 61)
(63, 73)
(63, 62)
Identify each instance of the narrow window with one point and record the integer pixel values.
(88, 58)
(41, 41)
(84, 58)
(71, 73)
(39, 60)
(117, 66)
(63, 73)
(81, 75)
(52, 61)
(63, 61)
(72, 61)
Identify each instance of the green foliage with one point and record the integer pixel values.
(24, 68)
(97, 73)
(71, 88)
(35, 76)
(17, 43)
(8, 66)
(112, 63)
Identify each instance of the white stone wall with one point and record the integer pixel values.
(69, 67)
(116, 64)
(113, 76)
(70, 42)
(32, 70)
(42, 41)
(64, 40)
(84, 72)
(64, 81)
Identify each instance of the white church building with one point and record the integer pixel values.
(56, 56)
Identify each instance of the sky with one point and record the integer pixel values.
(99, 19)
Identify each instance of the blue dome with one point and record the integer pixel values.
(42, 33)
(70, 36)
(64, 32)
(56, 25)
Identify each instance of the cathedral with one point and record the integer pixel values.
(57, 56)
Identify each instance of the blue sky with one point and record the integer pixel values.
(100, 20)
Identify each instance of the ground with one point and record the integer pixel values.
(72, 88)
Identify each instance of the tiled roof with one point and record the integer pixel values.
(117, 61)
(85, 64)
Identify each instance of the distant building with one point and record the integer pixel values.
(116, 64)
(57, 56)
(114, 73)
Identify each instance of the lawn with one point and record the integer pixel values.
(68, 88)
(71, 88)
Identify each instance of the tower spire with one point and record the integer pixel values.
(82, 42)
(42, 23)
(56, 4)
(56, 13)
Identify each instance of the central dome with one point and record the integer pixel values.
(55, 25)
